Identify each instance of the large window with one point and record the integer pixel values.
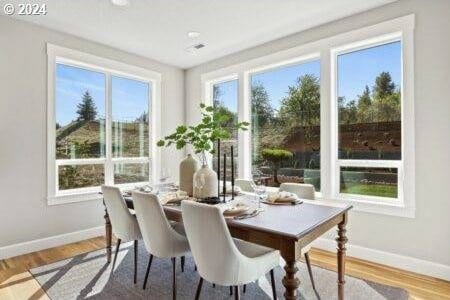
(285, 118)
(225, 99)
(337, 113)
(99, 124)
(369, 120)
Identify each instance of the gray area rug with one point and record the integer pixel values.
(88, 276)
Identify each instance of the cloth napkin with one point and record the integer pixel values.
(174, 197)
(237, 189)
(281, 197)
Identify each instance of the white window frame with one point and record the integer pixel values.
(326, 50)
(61, 55)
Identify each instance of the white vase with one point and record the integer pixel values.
(188, 167)
(205, 183)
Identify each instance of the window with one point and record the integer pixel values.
(369, 120)
(100, 117)
(337, 113)
(285, 118)
(225, 98)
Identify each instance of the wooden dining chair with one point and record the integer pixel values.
(160, 237)
(303, 191)
(124, 224)
(220, 259)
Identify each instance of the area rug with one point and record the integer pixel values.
(87, 276)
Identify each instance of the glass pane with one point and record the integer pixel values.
(130, 117)
(225, 98)
(130, 172)
(80, 113)
(80, 176)
(286, 124)
(380, 182)
(369, 103)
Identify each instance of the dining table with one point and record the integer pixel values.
(287, 228)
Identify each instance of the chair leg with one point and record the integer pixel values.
(231, 290)
(174, 284)
(115, 255)
(245, 288)
(182, 263)
(148, 271)
(135, 260)
(308, 264)
(272, 280)
(237, 296)
(199, 289)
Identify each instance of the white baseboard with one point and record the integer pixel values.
(49, 242)
(390, 259)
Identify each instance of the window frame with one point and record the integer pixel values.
(65, 56)
(327, 50)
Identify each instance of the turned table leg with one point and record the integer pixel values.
(108, 235)
(341, 241)
(290, 281)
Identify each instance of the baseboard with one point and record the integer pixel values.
(49, 242)
(390, 259)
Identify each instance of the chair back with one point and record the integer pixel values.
(302, 190)
(124, 225)
(245, 185)
(159, 237)
(215, 254)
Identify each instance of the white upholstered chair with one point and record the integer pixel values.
(161, 238)
(303, 191)
(245, 185)
(124, 224)
(219, 258)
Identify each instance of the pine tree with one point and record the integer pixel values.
(364, 106)
(86, 108)
(261, 109)
(384, 86)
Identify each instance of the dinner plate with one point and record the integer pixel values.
(295, 202)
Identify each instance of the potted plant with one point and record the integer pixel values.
(214, 125)
(275, 157)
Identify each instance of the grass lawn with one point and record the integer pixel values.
(379, 190)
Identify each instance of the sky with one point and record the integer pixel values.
(355, 71)
(129, 97)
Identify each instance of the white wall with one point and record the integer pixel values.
(426, 237)
(24, 214)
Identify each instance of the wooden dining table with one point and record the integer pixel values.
(287, 228)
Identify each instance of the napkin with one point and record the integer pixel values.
(237, 189)
(174, 197)
(281, 197)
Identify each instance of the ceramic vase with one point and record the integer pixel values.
(205, 183)
(188, 167)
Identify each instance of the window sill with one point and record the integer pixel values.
(73, 197)
(396, 208)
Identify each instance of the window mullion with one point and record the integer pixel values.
(109, 167)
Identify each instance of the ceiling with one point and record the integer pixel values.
(158, 29)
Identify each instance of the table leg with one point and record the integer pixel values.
(341, 241)
(108, 235)
(290, 281)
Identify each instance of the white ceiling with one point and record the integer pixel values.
(158, 28)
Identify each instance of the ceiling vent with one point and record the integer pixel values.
(194, 48)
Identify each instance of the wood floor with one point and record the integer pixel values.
(17, 283)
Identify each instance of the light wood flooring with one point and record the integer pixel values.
(17, 283)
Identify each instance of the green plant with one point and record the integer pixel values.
(275, 157)
(215, 124)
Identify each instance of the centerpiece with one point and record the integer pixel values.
(215, 125)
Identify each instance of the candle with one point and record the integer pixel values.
(218, 167)
(232, 172)
(224, 175)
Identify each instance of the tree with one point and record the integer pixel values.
(86, 108)
(302, 105)
(384, 86)
(347, 111)
(261, 108)
(275, 157)
(364, 110)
